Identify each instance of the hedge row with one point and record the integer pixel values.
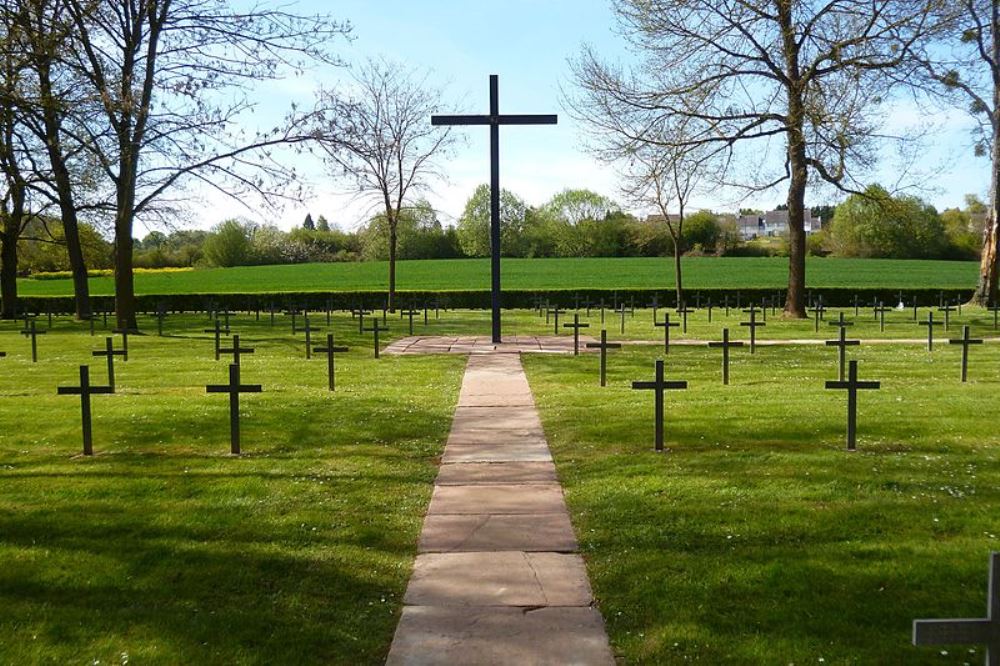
(478, 300)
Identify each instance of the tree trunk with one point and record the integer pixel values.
(8, 267)
(678, 252)
(986, 289)
(795, 306)
(392, 261)
(77, 262)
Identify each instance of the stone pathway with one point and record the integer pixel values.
(483, 344)
(497, 579)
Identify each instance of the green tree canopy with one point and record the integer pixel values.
(877, 224)
(474, 224)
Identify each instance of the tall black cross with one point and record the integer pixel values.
(667, 325)
(930, 324)
(576, 326)
(234, 388)
(852, 386)
(236, 350)
(984, 631)
(494, 119)
(965, 341)
(110, 352)
(376, 329)
(604, 346)
(842, 343)
(85, 390)
(658, 386)
(330, 350)
(725, 345)
(753, 325)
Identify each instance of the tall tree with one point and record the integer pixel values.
(965, 63)
(169, 74)
(809, 74)
(378, 135)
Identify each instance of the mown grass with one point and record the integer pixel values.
(757, 538)
(462, 274)
(163, 548)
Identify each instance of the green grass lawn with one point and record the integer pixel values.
(756, 539)
(462, 274)
(163, 548)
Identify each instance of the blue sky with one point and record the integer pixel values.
(528, 43)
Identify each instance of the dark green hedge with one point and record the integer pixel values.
(479, 299)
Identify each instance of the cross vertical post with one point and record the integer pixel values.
(658, 386)
(604, 346)
(576, 326)
(965, 341)
(852, 386)
(725, 345)
(234, 388)
(494, 120)
(85, 390)
(330, 350)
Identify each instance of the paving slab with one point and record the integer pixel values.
(506, 418)
(495, 437)
(497, 499)
(491, 453)
(433, 636)
(496, 473)
(498, 579)
(504, 399)
(551, 532)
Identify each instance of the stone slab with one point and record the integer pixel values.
(495, 437)
(507, 418)
(498, 579)
(497, 499)
(491, 453)
(495, 473)
(551, 532)
(431, 636)
(504, 399)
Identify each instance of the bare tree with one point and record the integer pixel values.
(809, 75)
(171, 77)
(965, 64)
(378, 135)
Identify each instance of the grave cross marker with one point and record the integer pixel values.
(217, 334)
(376, 329)
(666, 324)
(85, 390)
(818, 310)
(684, 311)
(852, 386)
(234, 388)
(555, 312)
(658, 386)
(330, 350)
(965, 341)
(409, 313)
(984, 631)
(110, 352)
(494, 119)
(576, 326)
(995, 309)
(725, 345)
(842, 343)
(880, 311)
(622, 311)
(161, 314)
(604, 346)
(753, 325)
(236, 350)
(31, 331)
(947, 310)
(930, 324)
(307, 329)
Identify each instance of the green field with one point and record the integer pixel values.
(542, 274)
(755, 539)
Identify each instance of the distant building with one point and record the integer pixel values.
(773, 223)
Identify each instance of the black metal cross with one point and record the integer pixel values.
(708, 306)
(604, 346)
(307, 329)
(293, 313)
(555, 312)
(217, 333)
(753, 325)
(110, 352)
(234, 388)
(376, 329)
(725, 345)
(995, 309)
(880, 311)
(930, 324)
(857, 305)
(360, 314)
(658, 386)
(409, 313)
(965, 341)
(984, 631)
(494, 119)
(330, 350)
(842, 343)
(161, 314)
(621, 311)
(236, 350)
(31, 331)
(684, 311)
(818, 310)
(947, 310)
(85, 390)
(576, 326)
(852, 386)
(667, 325)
